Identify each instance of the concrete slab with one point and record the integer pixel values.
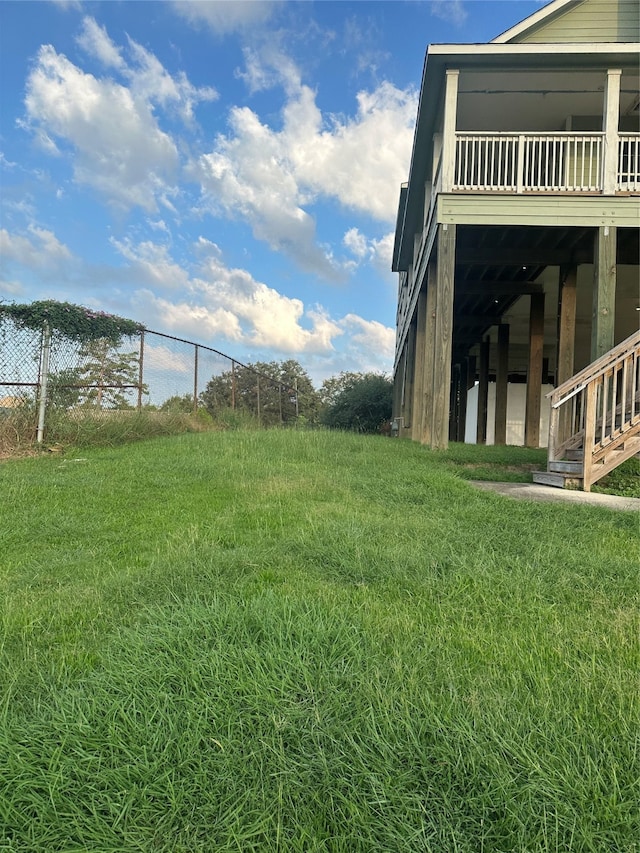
(536, 492)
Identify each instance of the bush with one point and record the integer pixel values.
(362, 405)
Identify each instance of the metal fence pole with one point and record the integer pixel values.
(43, 379)
(233, 384)
(140, 369)
(258, 394)
(195, 382)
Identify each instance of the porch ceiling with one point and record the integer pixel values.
(496, 265)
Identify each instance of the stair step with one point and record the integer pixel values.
(575, 455)
(560, 481)
(565, 466)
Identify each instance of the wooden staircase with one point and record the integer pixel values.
(595, 420)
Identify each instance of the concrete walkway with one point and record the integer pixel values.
(535, 492)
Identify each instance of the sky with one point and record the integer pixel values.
(226, 172)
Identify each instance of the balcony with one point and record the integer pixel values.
(543, 163)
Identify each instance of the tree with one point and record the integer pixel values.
(178, 404)
(362, 402)
(105, 373)
(283, 390)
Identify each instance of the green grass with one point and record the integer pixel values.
(307, 641)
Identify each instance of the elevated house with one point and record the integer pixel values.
(517, 242)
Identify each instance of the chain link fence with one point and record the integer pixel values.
(45, 378)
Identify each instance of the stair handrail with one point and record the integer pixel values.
(580, 380)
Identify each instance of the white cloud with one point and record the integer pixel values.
(371, 344)
(218, 301)
(120, 149)
(271, 178)
(113, 129)
(377, 252)
(224, 16)
(452, 11)
(96, 42)
(40, 251)
(356, 243)
(153, 265)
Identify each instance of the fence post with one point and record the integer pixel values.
(258, 395)
(233, 384)
(195, 382)
(140, 369)
(43, 379)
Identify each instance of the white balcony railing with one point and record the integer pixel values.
(629, 162)
(532, 162)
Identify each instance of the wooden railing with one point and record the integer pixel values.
(542, 162)
(597, 412)
(629, 162)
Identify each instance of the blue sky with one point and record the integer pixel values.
(226, 172)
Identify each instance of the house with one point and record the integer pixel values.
(517, 239)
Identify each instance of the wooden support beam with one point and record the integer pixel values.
(483, 392)
(429, 354)
(604, 292)
(502, 380)
(407, 411)
(398, 385)
(446, 242)
(490, 288)
(534, 373)
(454, 403)
(462, 400)
(419, 376)
(525, 256)
(471, 371)
(566, 323)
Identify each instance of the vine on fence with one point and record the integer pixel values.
(73, 322)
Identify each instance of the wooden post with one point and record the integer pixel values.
(566, 323)
(610, 121)
(443, 335)
(502, 386)
(604, 292)
(566, 342)
(483, 392)
(462, 399)
(429, 353)
(409, 377)
(449, 129)
(534, 372)
(419, 377)
(454, 402)
(398, 381)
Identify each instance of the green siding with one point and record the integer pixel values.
(591, 21)
(499, 209)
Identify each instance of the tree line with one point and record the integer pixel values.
(274, 393)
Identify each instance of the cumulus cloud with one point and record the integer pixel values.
(272, 178)
(377, 252)
(112, 127)
(223, 16)
(95, 41)
(120, 149)
(218, 301)
(41, 250)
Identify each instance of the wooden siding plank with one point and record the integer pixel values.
(493, 209)
(600, 21)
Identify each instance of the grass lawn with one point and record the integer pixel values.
(304, 641)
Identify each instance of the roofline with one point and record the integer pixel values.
(549, 11)
(508, 50)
